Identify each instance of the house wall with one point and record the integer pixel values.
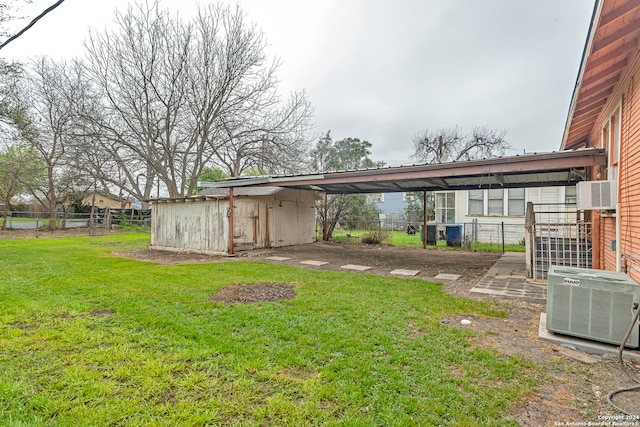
(626, 95)
(103, 201)
(489, 230)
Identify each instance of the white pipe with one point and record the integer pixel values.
(618, 245)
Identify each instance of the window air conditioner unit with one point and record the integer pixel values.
(592, 304)
(596, 195)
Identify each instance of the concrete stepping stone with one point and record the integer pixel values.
(445, 276)
(315, 263)
(355, 267)
(277, 258)
(401, 272)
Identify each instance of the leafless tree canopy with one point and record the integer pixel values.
(174, 96)
(53, 90)
(447, 145)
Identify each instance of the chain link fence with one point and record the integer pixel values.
(99, 223)
(471, 236)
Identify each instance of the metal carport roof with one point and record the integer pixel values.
(527, 170)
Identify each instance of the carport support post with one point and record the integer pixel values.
(230, 220)
(424, 220)
(324, 223)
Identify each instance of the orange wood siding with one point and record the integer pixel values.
(629, 190)
(626, 94)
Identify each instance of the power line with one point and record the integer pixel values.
(31, 24)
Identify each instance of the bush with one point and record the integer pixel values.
(376, 237)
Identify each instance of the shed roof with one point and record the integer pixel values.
(528, 170)
(611, 43)
(241, 191)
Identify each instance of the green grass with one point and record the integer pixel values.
(88, 338)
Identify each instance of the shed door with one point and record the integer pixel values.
(250, 225)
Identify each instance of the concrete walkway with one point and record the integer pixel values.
(507, 278)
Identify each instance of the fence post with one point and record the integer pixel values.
(502, 225)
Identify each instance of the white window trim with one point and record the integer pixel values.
(505, 204)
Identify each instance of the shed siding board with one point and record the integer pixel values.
(200, 226)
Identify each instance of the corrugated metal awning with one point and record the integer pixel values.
(529, 170)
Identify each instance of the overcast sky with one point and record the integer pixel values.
(384, 70)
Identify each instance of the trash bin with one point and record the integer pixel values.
(431, 234)
(453, 234)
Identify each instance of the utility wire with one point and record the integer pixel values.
(31, 24)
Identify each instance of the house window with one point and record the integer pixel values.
(406, 197)
(446, 207)
(496, 202)
(611, 142)
(377, 197)
(570, 195)
(476, 202)
(615, 138)
(516, 202)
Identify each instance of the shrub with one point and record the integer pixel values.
(376, 237)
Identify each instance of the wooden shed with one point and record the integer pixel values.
(261, 217)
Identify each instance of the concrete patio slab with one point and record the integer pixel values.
(588, 346)
(315, 263)
(401, 272)
(277, 258)
(355, 267)
(507, 278)
(445, 276)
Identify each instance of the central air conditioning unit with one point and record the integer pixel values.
(592, 304)
(596, 195)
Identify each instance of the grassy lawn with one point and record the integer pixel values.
(88, 338)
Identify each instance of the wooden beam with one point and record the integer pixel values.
(619, 12)
(595, 100)
(230, 220)
(607, 72)
(586, 118)
(589, 108)
(586, 91)
(628, 28)
(612, 55)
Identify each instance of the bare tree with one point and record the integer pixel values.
(446, 145)
(174, 94)
(52, 91)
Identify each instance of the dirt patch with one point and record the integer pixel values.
(569, 392)
(102, 312)
(173, 258)
(247, 294)
(471, 266)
